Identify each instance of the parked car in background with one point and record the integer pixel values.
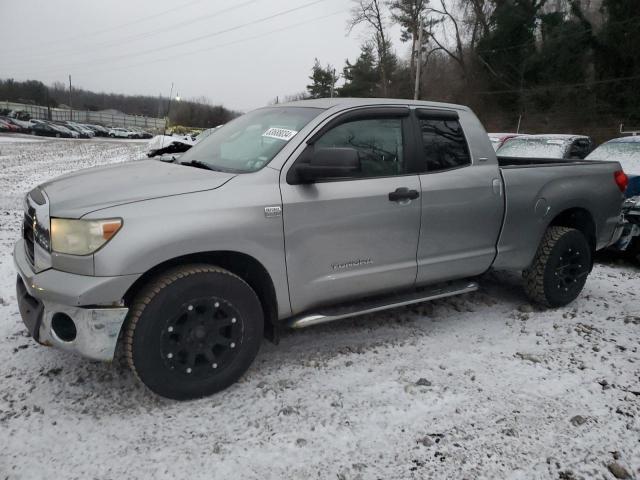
(630, 239)
(498, 139)
(575, 147)
(140, 133)
(19, 125)
(64, 129)
(171, 145)
(99, 130)
(46, 129)
(20, 115)
(118, 132)
(8, 127)
(625, 150)
(82, 131)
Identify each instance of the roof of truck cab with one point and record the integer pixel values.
(326, 103)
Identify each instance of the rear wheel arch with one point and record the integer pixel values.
(580, 219)
(244, 266)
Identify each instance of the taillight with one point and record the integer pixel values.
(621, 180)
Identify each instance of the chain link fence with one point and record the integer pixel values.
(106, 118)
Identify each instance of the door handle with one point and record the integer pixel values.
(497, 186)
(402, 194)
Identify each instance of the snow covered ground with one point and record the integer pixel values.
(480, 386)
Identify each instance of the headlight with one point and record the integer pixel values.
(81, 237)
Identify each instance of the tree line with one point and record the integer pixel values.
(546, 65)
(200, 112)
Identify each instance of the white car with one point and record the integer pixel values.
(121, 133)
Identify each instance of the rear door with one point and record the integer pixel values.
(462, 199)
(346, 237)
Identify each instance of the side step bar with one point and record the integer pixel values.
(381, 303)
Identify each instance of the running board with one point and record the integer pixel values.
(381, 303)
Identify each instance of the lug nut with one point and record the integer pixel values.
(233, 345)
(190, 307)
(217, 304)
(169, 355)
(233, 320)
(215, 365)
(188, 370)
(170, 329)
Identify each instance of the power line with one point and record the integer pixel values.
(195, 39)
(116, 27)
(214, 47)
(149, 33)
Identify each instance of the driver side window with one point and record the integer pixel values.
(378, 142)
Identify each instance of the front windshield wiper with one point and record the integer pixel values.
(198, 164)
(207, 166)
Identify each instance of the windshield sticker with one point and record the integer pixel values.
(280, 133)
(555, 142)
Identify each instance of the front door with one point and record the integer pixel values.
(347, 237)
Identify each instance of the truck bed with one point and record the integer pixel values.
(537, 190)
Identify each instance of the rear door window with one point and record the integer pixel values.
(444, 146)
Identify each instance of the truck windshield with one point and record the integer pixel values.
(250, 142)
(627, 153)
(533, 148)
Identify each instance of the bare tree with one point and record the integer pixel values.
(451, 27)
(369, 13)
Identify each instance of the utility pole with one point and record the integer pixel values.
(333, 81)
(168, 110)
(70, 104)
(416, 91)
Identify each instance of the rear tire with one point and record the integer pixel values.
(193, 331)
(560, 268)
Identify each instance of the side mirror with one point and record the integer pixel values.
(329, 163)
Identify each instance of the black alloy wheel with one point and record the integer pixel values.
(192, 331)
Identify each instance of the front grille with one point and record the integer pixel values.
(27, 233)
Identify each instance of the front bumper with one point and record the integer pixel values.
(52, 298)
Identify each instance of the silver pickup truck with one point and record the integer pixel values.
(294, 215)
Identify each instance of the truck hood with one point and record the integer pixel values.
(79, 193)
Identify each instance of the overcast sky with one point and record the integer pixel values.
(241, 53)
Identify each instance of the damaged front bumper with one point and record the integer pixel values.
(53, 306)
(630, 225)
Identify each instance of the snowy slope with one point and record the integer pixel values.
(481, 386)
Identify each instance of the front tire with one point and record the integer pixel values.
(560, 268)
(193, 331)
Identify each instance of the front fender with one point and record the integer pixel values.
(230, 218)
